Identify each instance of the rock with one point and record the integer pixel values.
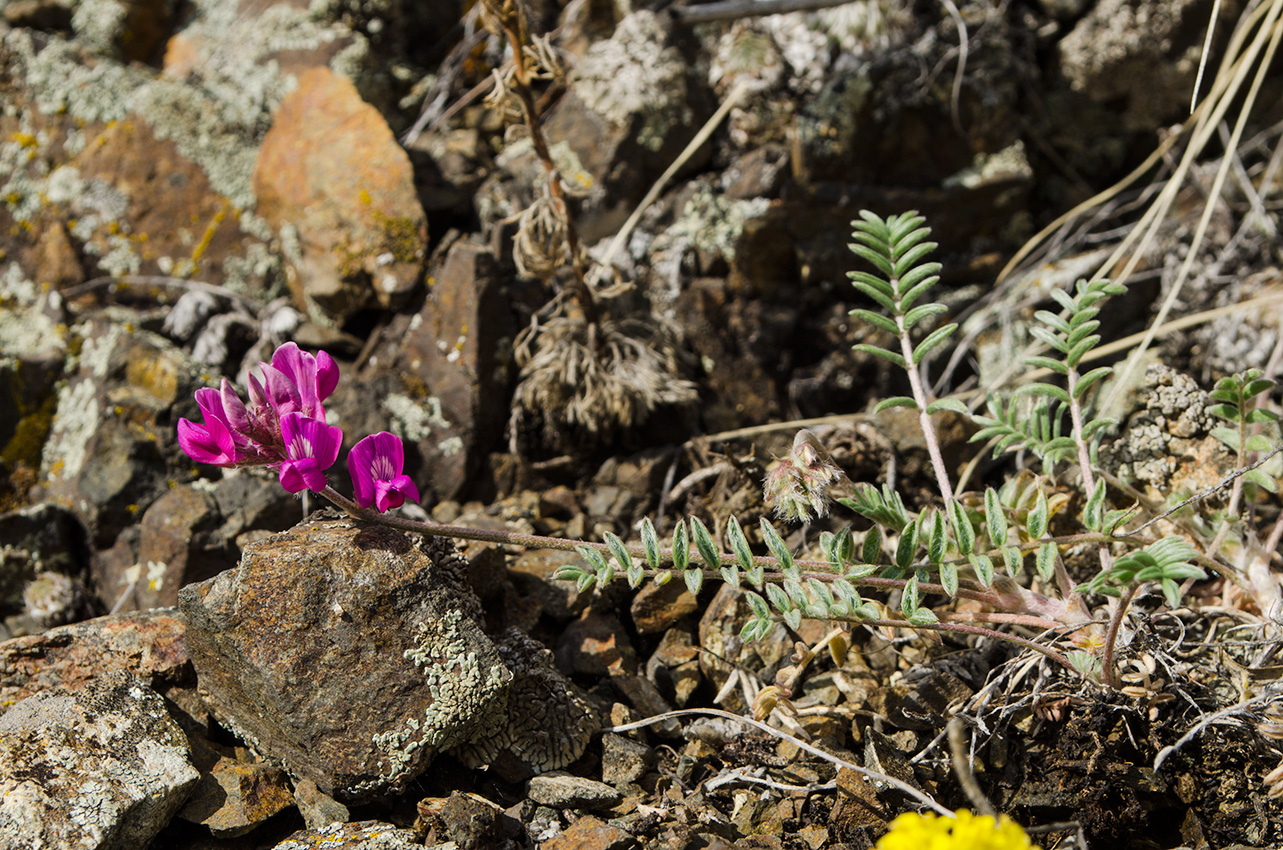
(1138, 56)
(331, 177)
(675, 662)
(641, 694)
(656, 608)
(350, 653)
(533, 572)
(233, 797)
(549, 721)
(104, 767)
(42, 538)
(596, 645)
(362, 835)
(624, 760)
(145, 644)
(564, 791)
(318, 809)
(632, 105)
(469, 821)
(177, 546)
(1167, 444)
(454, 351)
(32, 358)
(590, 833)
(108, 456)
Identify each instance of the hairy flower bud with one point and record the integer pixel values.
(797, 486)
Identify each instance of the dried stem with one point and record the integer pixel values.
(522, 75)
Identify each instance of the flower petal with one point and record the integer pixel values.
(360, 465)
(327, 375)
(302, 474)
(210, 443)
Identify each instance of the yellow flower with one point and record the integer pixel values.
(928, 831)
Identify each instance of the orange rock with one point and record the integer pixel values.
(331, 168)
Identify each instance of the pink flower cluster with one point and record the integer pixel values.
(283, 427)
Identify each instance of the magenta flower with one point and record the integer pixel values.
(212, 442)
(375, 464)
(297, 382)
(311, 447)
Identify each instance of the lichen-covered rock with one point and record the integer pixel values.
(362, 835)
(109, 451)
(38, 539)
(1167, 445)
(632, 105)
(350, 653)
(550, 722)
(145, 644)
(1138, 56)
(333, 180)
(233, 797)
(104, 767)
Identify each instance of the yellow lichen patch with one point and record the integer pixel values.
(158, 376)
(402, 236)
(210, 230)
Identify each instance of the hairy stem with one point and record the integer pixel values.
(920, 396)
(976, 630)
(1107, 672)
(1084, 465)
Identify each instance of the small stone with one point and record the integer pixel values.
(234, 797)
(656, 608)
(318, 808)
(469, 821)
(589, 833)
(642, 694)
(624, 760)
(177, 545)
(596, 645)
(565, 791)
(560, 599)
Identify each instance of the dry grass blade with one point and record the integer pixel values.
(800, 744)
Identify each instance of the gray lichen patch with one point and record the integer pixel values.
(459, 687)
(634, 74)
(549, 721)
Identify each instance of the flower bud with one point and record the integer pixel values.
(797, 486)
